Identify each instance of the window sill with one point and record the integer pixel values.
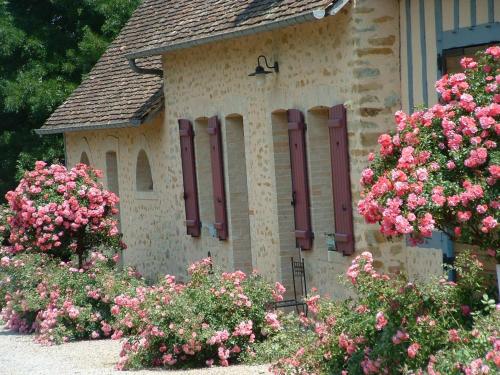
(146, 195)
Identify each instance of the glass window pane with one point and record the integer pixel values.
(453, 56)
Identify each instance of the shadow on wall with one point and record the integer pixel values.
(256, 8)
(144, 178)
(84, 159)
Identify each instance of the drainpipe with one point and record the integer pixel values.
(139, 70)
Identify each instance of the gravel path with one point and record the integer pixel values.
(19, 355)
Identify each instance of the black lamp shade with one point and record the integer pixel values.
(260, 70)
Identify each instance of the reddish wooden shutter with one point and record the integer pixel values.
(193, 223)
(300, 183)
(341, 182)
(214, 130)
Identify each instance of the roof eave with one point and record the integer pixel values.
(132, 123)
(318, 14)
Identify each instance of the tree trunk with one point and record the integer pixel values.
(80, 249)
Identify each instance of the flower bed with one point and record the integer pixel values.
(475, 351)
(395, 327)
(49, 283)
(58, 301)
(212, 319)
(58, 216)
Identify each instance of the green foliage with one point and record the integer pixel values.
(281, 344)
(474, 352)
(46, 48)
(4, 225)
(471, 280)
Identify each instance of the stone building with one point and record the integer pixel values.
(206, 155)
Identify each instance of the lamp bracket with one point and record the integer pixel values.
(275, 67)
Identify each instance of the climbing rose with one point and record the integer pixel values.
(440, 169)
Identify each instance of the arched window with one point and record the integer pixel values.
(238, 192)
(283, 175)
(112, 178)
(84, 158)
(143, 176)
(320, 172)
(112, 172)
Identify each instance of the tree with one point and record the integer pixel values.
(46, 48)
(441, 168)
(61, 212)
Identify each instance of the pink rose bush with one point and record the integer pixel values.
(211, 320)
(394, 326)
(60, 212)
(470, 352)
(58, 301)
(440, 169)
(54, 217)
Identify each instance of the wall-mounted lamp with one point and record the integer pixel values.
(260, 71)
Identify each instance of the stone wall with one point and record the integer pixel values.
(351, 58)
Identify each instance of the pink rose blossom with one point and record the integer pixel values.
(381, 321)
(413, 350)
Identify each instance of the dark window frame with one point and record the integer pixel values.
(457, 51)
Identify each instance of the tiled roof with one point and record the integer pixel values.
(113, 95)
(175, 23)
